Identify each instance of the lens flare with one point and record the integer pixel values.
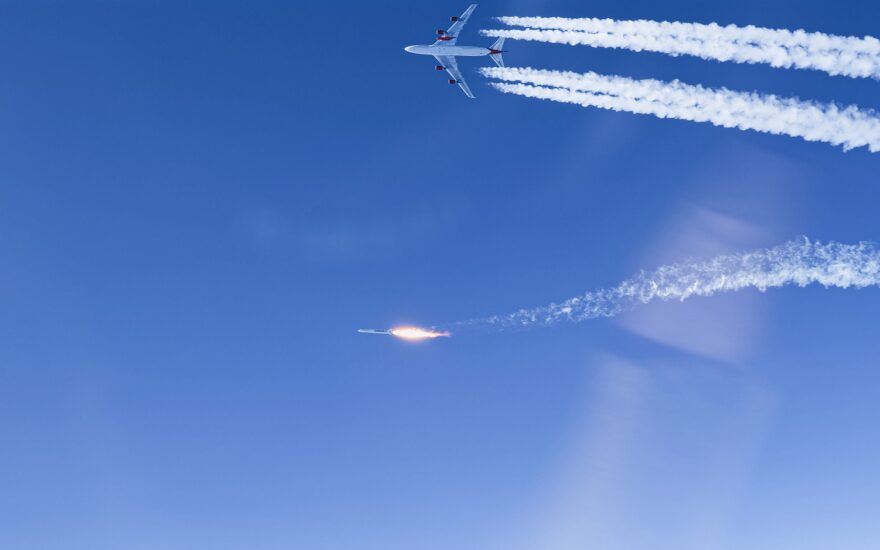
(415, 333)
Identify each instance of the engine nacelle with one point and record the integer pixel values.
(455, 19)
(440, 68)
(453, 81)
(441, 32)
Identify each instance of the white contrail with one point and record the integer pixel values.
(849, 127)
(800, 262)
(837, 55)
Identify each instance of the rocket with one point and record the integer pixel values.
(408, 333)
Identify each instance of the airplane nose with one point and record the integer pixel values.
(409, 49)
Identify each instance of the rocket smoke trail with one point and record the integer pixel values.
(800, 262)
(849, 127)
(835, 55)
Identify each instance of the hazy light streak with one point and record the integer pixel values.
(848, 127)
(836, 55)
(799, 263)
(415, 333)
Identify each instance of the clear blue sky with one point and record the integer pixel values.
(201, 201)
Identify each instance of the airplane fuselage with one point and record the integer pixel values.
(451, 51)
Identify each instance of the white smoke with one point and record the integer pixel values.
(799, 262)
(849, 127)
(835, 55)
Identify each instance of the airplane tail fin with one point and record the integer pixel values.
(498, 46)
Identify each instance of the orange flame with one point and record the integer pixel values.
(415, 333)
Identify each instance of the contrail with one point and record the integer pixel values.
(800, 262)
(836, 55)
(849, 127)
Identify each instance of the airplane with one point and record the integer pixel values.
(445, 50)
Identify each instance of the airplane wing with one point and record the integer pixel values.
(456, 27)
(451, 66)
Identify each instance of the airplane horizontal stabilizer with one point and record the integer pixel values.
(498, 46)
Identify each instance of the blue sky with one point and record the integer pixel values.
(201, 202)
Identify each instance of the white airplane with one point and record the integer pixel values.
(445, 50)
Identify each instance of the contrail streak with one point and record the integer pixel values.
(800, 262)
(835, 55)
(849, 127)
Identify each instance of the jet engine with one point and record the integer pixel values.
(453, 81)
(455, 19)
(441, 32)
(440, 68)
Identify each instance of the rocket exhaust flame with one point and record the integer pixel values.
(415, 333)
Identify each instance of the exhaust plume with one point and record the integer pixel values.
(836, 55)
(849, 127)
(416, 333)
(800, 262)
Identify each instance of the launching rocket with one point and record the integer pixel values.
(408, 333)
